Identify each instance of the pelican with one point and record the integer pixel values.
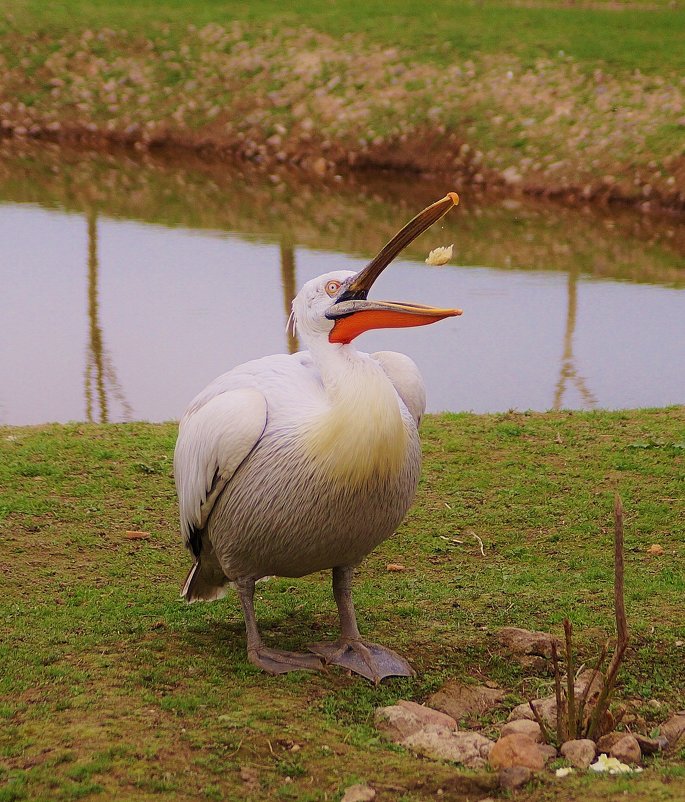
(292, 464)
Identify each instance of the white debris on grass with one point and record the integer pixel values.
(564, 771)
(440, 256)
(613, 765)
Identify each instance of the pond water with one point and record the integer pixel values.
(127, 285)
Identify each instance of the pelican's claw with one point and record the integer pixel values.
(280, 661)
(367, 659)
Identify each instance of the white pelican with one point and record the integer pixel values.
(292, 464)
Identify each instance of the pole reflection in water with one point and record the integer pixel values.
(99, 374)
(569, 372)
(289, 291)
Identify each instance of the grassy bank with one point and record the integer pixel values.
(113, 689)
(577, 101)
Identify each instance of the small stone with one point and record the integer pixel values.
(513, 777)
(549, 752)
(517, 750)
(627, 750)
(524, 641)
(319, 166)
(674, 730)
(523, 726)
(399, 721)
(579, 752)
(650, 746)
(462, 701)
(471, 749)
(359, 793)
(511, 176)
(546, 708)
(606, 742)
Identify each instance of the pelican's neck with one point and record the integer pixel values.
(361, 432)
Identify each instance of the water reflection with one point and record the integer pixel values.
(289, 291)
(100, 376)
(173, 300)
(569, 372)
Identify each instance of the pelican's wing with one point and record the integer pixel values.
(405, 376)
(213, 440)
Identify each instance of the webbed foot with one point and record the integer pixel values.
(367, 659)
(280, 661)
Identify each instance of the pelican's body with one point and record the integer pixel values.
(290, 507)
(288, 465)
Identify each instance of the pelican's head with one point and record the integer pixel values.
(336, 305)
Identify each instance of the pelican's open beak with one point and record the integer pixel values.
(353, 318)
(353, 314)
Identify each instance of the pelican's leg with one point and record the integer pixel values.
(352, 652)
(273, 661)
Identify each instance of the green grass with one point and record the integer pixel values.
(581, 100)
(112, 688)
(626, 38)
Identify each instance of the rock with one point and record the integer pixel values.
(517, 750)
(462, 701)
(524, 641)
(674, 730)
(358, 793)
(468, 748)
(399, 721)
(320, 165)
(432, 734)
(627, 750)
(579, 752)
(549, 752)
(547, 710)
(650, 746)
(514, 777)
(511, 175)
(606, 742)
(588, 678)
(524, 726)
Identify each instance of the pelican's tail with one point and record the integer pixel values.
(205, 582)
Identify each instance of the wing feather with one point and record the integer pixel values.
(213, 440)
(405, 376)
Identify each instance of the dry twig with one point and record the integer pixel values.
(621, 623)
(557, 692)
(480, 543)
(541, 723)
(588, 688)
(570, 674)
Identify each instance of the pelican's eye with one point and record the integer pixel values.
(333, 288)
